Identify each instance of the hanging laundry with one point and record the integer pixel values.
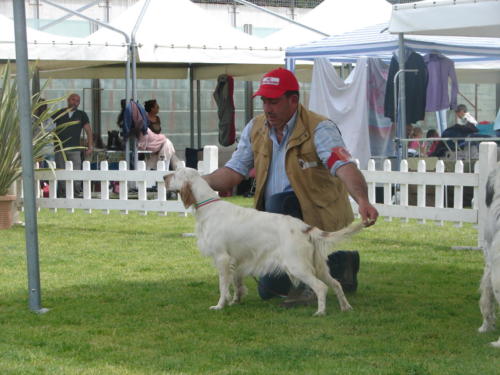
(415, 87)
(341, 102)
(223, 96)
(440, 69)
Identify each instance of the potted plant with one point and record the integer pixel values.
(10, 144)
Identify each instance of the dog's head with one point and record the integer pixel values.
(182, 181)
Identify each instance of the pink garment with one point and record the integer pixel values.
(414, 145)
(160, 146)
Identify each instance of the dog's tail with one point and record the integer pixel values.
(324, 242)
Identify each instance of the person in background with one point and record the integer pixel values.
(152, 108)
(416, 147)
(464, 117)
(70, 136)
(302, 169)
(48, 126)
(431, 146)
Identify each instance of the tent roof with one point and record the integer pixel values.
(480, 18)
(376, 41)
(51, 52)
(332, 17)
(183, 32)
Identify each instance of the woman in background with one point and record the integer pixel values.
(152, 108)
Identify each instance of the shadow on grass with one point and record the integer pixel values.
(411, 316)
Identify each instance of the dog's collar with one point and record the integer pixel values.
(205, 202)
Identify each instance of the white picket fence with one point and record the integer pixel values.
(395, 186)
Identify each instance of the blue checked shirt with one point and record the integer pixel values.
(326, 137)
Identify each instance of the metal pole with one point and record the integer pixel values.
(198, 111)
(65, 17)
(401, 112)
(133, 48)
(24, 108)
(127, 64)
(191, 106)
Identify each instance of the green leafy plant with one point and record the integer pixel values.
(10, 145)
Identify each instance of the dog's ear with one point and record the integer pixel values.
(187, 195)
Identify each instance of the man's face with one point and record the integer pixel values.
(73, 101)
(461, 113)
(280, 110)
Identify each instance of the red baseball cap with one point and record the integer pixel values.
(275, 83)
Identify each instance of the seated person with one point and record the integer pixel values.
(464, 117)
(159, 145)
(431, 146)
(152, 108)
(455, 131)
(416, 147)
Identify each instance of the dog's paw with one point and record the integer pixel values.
(495, 344)
(319, 313)
(346, 307)
(216, 307)
(486, 328)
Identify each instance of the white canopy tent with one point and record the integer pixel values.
(477, 18)
(332, 17)
(51, 52)
(477, 60)
(175, 35)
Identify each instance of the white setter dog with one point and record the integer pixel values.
(490, 282)
(244, 241)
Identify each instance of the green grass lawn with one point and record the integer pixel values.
(128, 294)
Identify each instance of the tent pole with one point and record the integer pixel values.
(133, 47)
(127, 41)
(24, 108)
(198, 111)
(133, 52)
(401, 109)
(191, 106)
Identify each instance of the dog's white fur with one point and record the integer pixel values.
(490, 282)
(244, 241)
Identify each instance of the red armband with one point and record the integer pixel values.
(338, 154)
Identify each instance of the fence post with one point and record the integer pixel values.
(439, 191)
(421, 188)
(104, 185)
(387, 187)
(69, 184)
(123, 194)
(87, 184)
(458, 191)
(487, 162)
(141, 186)
(210, 159)
(403, 189)
(372, 196)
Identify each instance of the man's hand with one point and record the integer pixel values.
(369, 214)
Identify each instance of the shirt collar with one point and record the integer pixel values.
(289, 126)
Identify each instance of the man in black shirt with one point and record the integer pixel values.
(70, 136)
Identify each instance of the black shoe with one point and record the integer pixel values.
(344, 267)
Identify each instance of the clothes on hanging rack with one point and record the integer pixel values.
(441, 70)
(415, 88)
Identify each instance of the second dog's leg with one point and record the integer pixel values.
(487, 301)
(223, 264)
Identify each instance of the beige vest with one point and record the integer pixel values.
(323, 198)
